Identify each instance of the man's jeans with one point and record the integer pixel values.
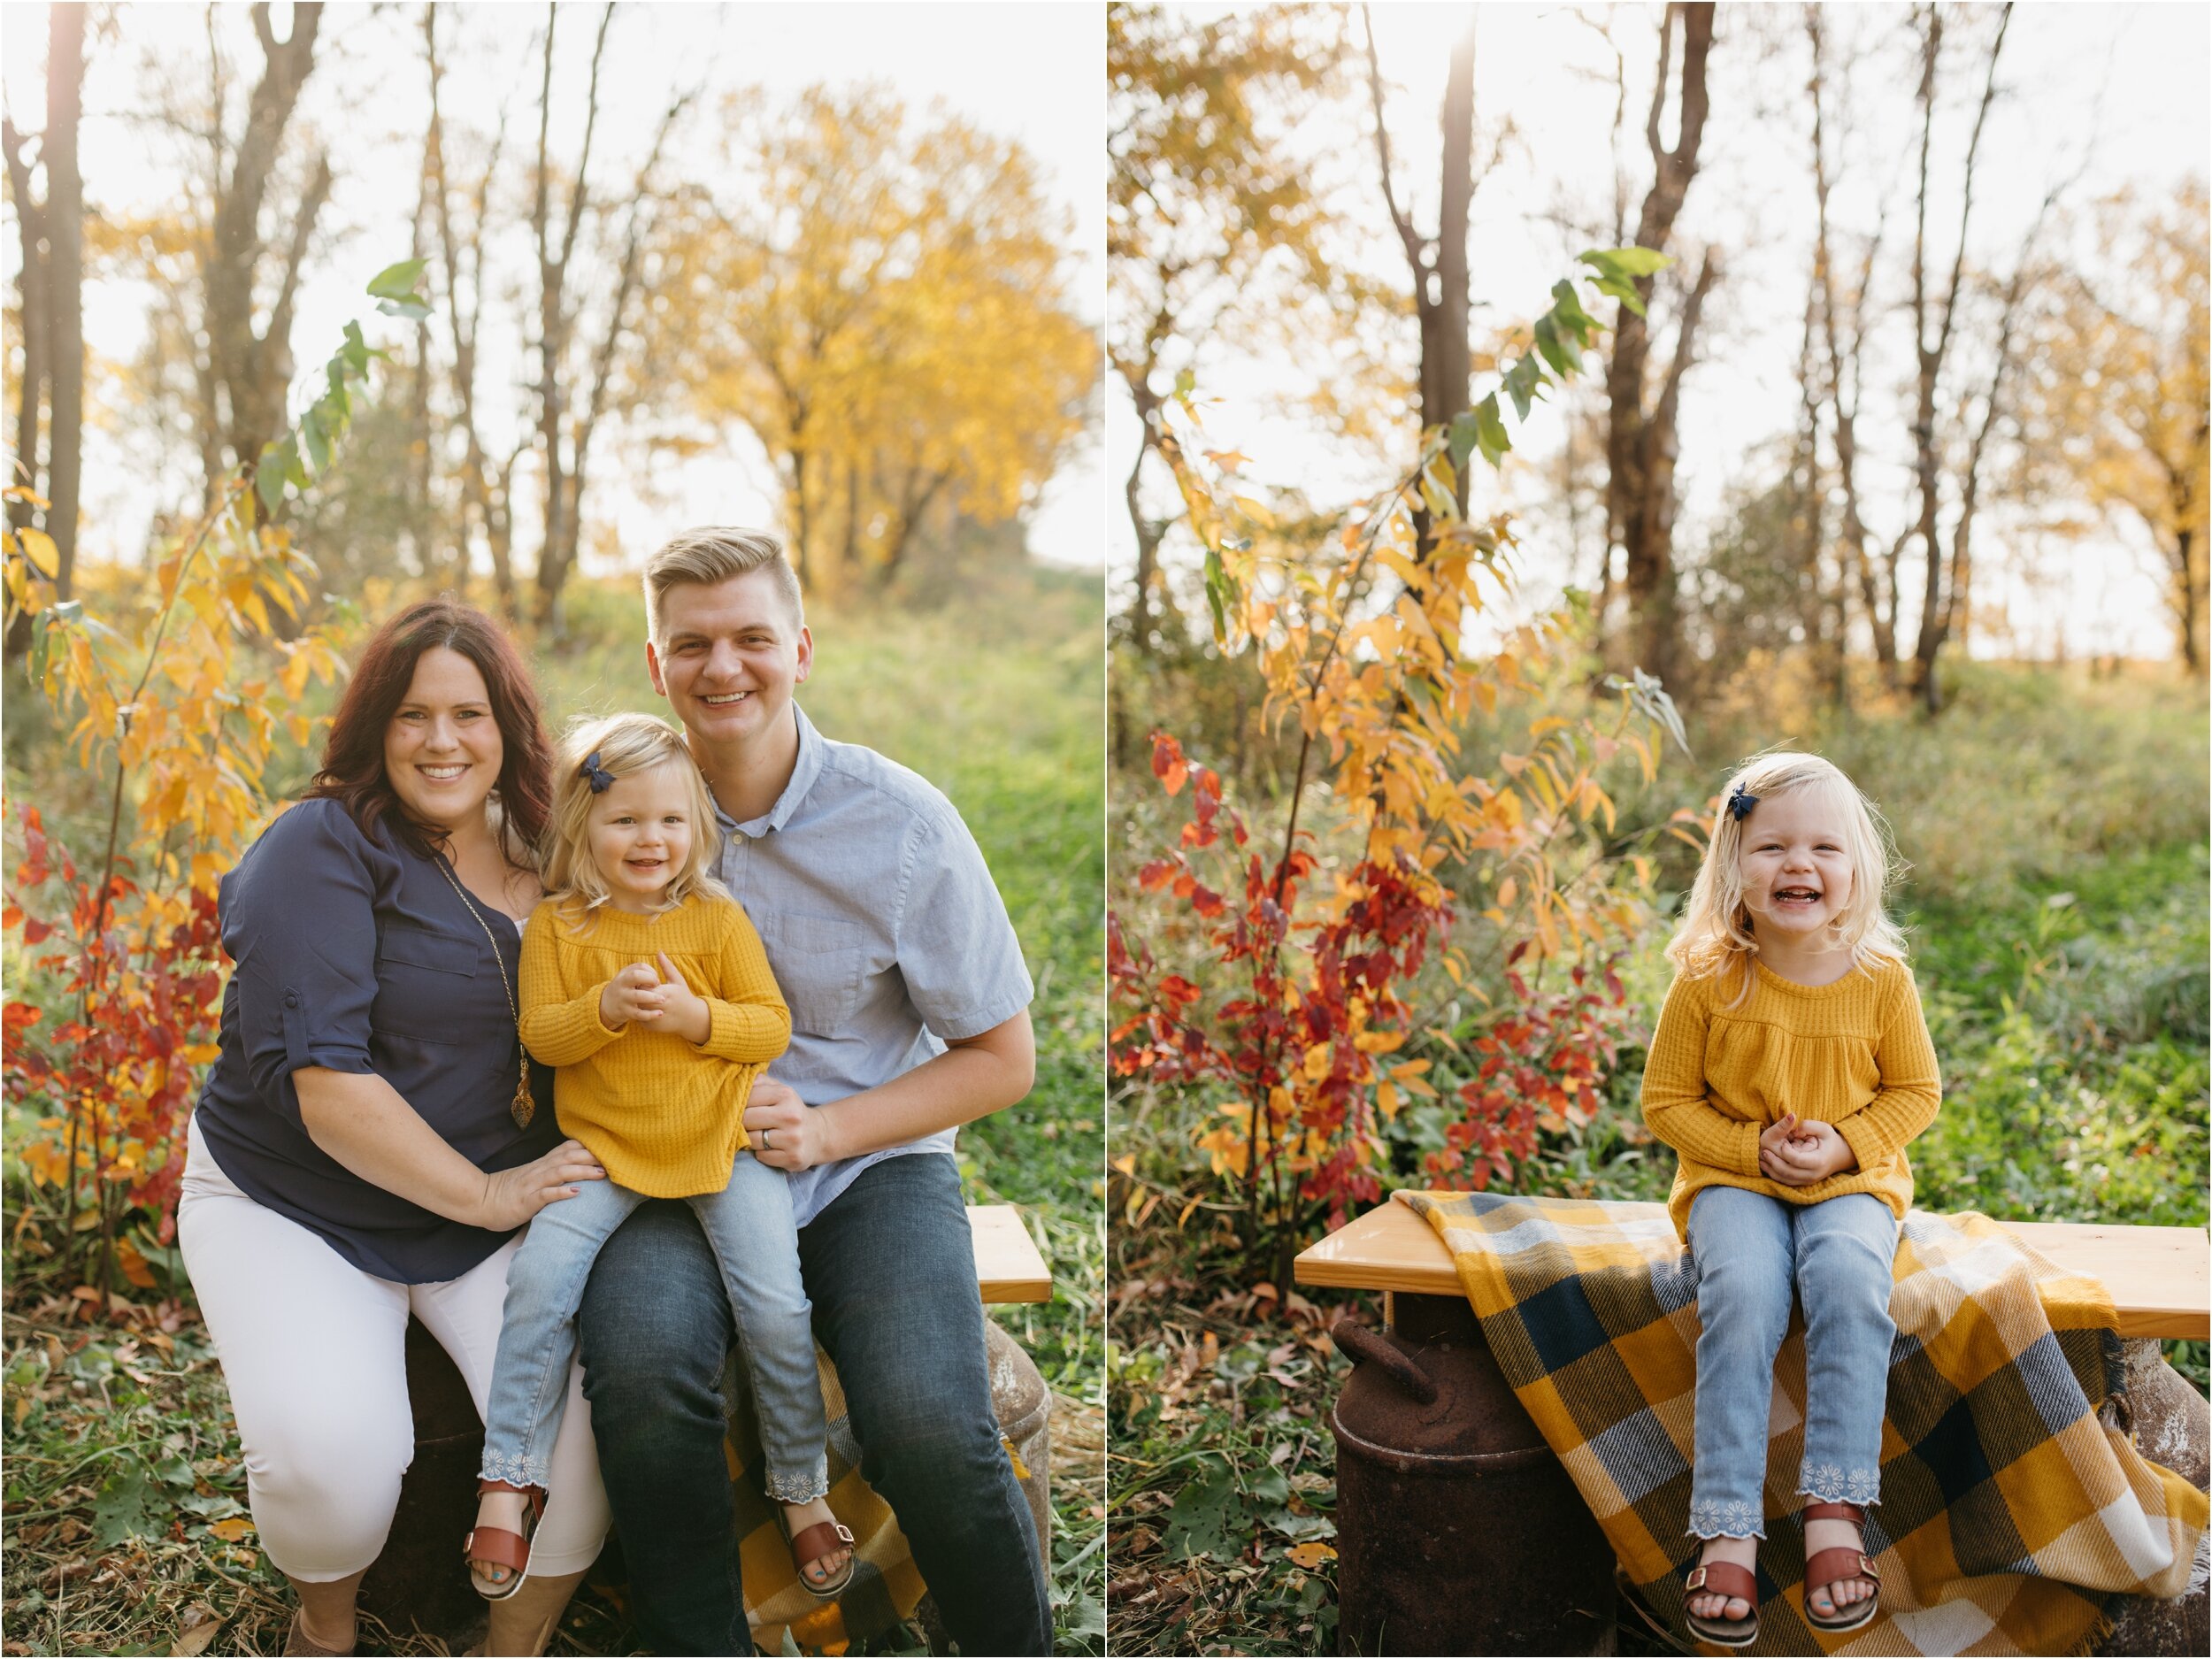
(1751, 1253)
(748, 1226)
(891, 1270)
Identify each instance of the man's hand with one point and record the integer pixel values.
(783, 1131)
(1803, 1152)
(636, 993)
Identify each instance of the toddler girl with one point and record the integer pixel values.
(1790, 1068)
(645, 985)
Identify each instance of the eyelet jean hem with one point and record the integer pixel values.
(1726, 1520)
(516, 1471)
(801, 1486)
(1831, 1485)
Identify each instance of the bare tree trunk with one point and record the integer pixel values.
(250, 371)
(1439, 266)
(483, 490)
(1935, 608)
(2186, 551)
(30, 390)
(2188, 600)
(914, 502)
(1816, 610)
(1641, 444)
(559, 560)
(1878, 598)
(1149, 532)
(421, 515)
(1136, 374)
(64, 288)
(564, 471)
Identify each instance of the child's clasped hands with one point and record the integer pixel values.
(661, 1000)
(1797, 1152)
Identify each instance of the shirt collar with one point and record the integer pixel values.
(804, 771)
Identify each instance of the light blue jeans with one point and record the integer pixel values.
(1753, 1253)
(756, 1251)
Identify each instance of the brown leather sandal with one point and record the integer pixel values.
(496, 1547)
(810, 1544)
(1827, 1568)
(1721, 1578)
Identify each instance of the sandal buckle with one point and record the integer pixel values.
(1697, 1581)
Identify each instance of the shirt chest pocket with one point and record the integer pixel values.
(819, 961)
(425, 985)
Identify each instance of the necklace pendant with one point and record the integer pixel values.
(524, 1106)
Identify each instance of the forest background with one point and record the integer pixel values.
(582, 276)
(1445, 599)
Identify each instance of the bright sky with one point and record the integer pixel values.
(2128, 83)
(1027, 71)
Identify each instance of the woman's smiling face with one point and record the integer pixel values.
(1795, 862)
(442, 750)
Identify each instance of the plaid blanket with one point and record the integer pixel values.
(2013, 1502)
(887, 1586)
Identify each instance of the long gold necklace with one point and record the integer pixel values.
(524, 1106)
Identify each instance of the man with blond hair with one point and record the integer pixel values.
(910, 1017)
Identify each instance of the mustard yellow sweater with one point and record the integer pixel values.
(1854, 1054)
(664, 1114)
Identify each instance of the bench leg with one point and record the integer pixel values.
(2173, 1425)
(1023, 1405)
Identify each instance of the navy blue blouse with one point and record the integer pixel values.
(359, 957)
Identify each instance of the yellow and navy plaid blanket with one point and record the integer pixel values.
(2013, 1503)
(887, 1586)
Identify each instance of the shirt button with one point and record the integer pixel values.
(291, 999)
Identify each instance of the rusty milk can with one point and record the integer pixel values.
(1458, 1531)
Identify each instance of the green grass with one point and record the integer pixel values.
(121, 1453)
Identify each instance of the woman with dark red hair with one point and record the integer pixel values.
(371, 1137)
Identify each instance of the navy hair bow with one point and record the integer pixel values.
(602, 779)
(1739, 803)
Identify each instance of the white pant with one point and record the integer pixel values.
(314, 1350)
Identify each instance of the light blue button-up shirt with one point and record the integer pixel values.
(884, 931)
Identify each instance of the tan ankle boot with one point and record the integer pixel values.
(523, 1624)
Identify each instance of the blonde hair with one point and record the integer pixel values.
(624, 745)
(1715, 935)
(718, 553)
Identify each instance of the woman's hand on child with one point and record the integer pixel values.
(783, 1131)
(512, 1196)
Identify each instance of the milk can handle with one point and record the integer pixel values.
(1355, 1340)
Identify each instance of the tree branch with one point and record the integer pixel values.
(1414, 244)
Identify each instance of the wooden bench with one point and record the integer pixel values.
(1007, 1265)
(418, 1580)
(2159, 1277)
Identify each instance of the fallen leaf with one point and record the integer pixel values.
(1312, 1555)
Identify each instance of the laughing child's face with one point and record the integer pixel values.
(1795, 865)
(641, 831)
